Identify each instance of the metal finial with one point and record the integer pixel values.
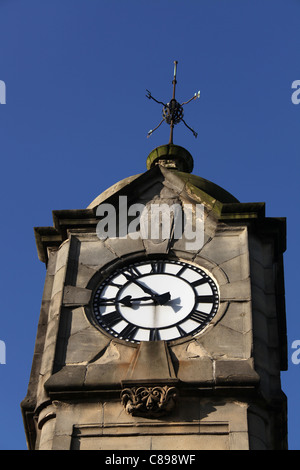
(173, 111)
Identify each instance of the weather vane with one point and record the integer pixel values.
(173, 111)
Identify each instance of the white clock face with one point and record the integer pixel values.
(155, 300)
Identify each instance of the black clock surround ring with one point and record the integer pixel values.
(155, 299)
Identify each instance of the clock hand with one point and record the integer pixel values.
(163, 298)
(160, 299)
(125, 301)
(129, 298)
(113, 301)
(142, 286)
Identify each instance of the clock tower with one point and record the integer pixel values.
(162, 323)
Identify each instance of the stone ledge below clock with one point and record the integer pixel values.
(83, 377)
(230, 371)
(206, 371)
(101, 377)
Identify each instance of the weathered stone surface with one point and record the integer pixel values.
(152, 363)
(76, 296)
(133, 243)
(198, 423)
(224, 248)
(85, 274)
(236, 291)
(95, 253)
(236, 372)
(79, 371)
(196, 370)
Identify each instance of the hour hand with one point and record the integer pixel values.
(160, 299)
(127, 300)
(157, 299)
(163, 298)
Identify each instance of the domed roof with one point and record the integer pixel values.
(180, 162)
(177, 160)
(207, 186)
(112, 190)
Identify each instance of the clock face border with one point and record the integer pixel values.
(104, 278)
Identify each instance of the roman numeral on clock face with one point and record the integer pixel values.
(181, 331)
(157, 267)
(205, 299)
(154, 335)
(181, 271)
(115, 284)
(111, 319)
(129, 331)
(131, 273)
(102, 302)
(198, 316)
(199, 282)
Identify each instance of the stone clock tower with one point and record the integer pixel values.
(162, 324)
(144, 343)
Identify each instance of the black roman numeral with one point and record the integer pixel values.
(200, 282)
(199, 317)
(132, 273)
(180, 330)
(154, 335)
(114, 284)
(129, 331)
(181, 271)
(205, 299)
(111, 319)
(157, 267)
(103, 302)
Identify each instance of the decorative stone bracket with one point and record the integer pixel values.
(149, 402)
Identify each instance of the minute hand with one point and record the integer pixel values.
(142, 286)
(157, 298)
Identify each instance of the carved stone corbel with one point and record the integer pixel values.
(149, 402)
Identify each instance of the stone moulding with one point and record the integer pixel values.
(149, 402)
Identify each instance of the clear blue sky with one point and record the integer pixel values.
(76, 120)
